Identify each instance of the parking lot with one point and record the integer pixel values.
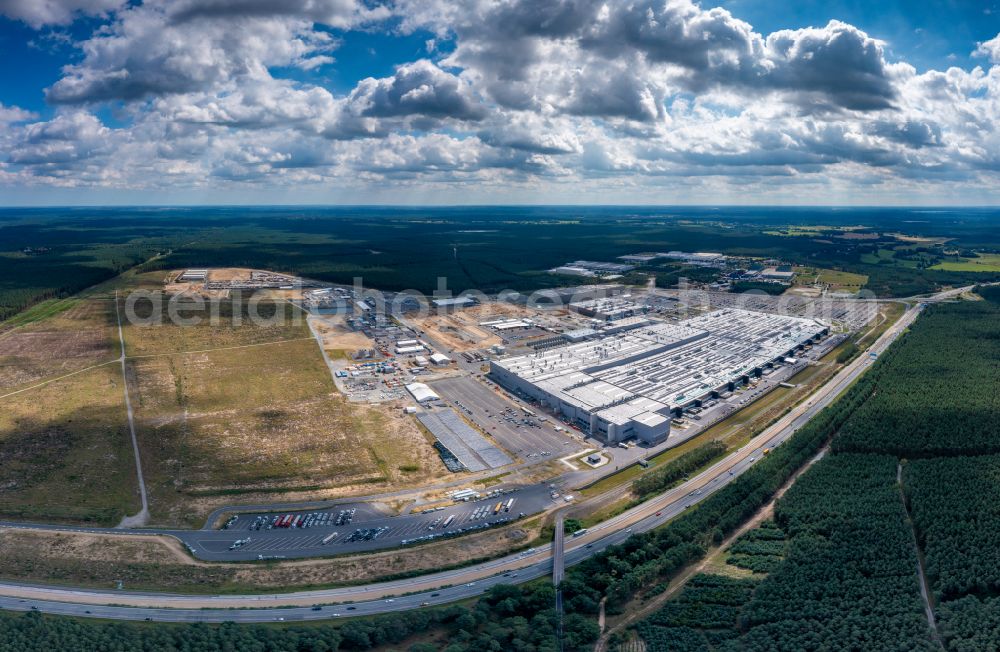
(360, 528)
(506, 422)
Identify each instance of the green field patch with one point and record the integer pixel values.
(982, 263)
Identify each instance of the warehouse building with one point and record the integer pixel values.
(630, 384)
(421, 393)
(454, 302)
(193, 275)
(611, 309)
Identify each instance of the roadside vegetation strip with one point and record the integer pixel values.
(671, 473)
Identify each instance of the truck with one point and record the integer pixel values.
(448, 521)
(580, 533)
(499, 506)
(509, 504)
(328, 538)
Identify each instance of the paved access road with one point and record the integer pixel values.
(447, 586)
(367, 530)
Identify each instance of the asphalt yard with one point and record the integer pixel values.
(505, 421)
(359, 528)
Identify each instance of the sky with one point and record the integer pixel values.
(843, 102)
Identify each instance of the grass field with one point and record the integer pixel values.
(263, 423)
(836, 280)
(982, 263)
(231, 325)
(65, 452)
(230, 410)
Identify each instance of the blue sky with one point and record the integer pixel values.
(499, 101)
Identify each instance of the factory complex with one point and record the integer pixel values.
(630, 384)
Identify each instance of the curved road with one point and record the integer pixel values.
(447, 586)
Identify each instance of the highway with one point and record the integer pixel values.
(447, 586)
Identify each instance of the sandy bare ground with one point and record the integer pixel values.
(337, 335)
(460, 330)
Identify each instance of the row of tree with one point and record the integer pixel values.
(672, 472)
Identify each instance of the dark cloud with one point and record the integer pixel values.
(336, 13)
(912, 133)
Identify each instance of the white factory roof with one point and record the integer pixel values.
(421, 393)
(453, 301)
(579, 334)
(405, 350)
(514, 323)
(670, 364)
(622, 414)
(440, 358)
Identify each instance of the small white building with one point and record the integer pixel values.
(421, 393)
(440, 359)
(407, 350)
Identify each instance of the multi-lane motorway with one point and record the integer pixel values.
(447, 586)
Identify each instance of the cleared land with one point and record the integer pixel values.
(64, 336)
(263, 420)
(160, 563)
(226, 323)
(65, 452)
(338, 338)
(258, 421)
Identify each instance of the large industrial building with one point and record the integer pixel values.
(610, 309)
(630, 384)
